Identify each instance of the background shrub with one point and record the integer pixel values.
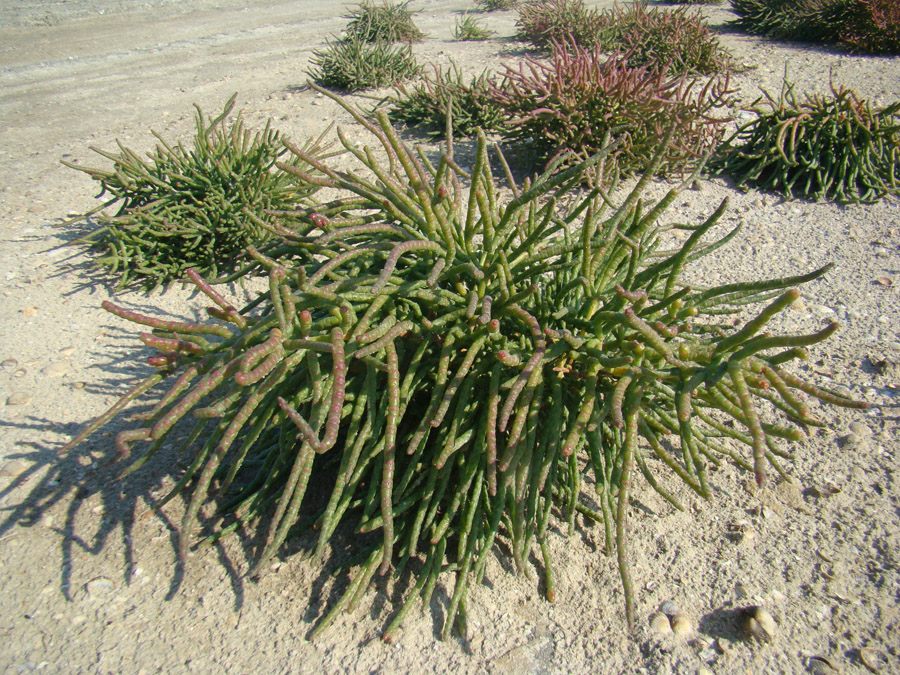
(543, 22)
(675, 39)
(875, 28)
(388, 22)
(468, 28)
(193, 208)
(825, 147)
(425, 103)
(865, 26)
(354, 64)
(496, 5)
(574, 101)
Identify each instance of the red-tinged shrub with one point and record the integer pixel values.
(877, 29)
(579, 98)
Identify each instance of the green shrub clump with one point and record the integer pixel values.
(426, 104)
(387, 22)
(354, 64)
(452, 369)
(194, 208)
(573, 103)
(469, 29)
(865, 26)
(676, 40)
(833, 147)
(496, 5)
(543, 22)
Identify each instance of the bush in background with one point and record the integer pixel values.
(578, 99)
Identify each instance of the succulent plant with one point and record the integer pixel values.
(544, 22)
(192, 208)
(874, 28)
(355, 64)
(677, 40)
(426, 103)
(835, 147)
(495, 5)
(455, 367)
(470, 29)
(387, 22)
(822, 21)
(579, 98)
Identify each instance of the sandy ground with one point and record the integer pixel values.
(87, 585)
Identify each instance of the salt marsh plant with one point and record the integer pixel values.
(544, 22)
(832, 147)
(455, 368)
(864, 26)
(572, 104)
(354, 64)
(192, 208)
(470, 29)
(426, 103)
(496, 5)
(676, 40)
(385, 22)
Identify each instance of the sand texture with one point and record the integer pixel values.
(89, 585)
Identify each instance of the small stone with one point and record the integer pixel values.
(57, 369)
(21, 372)
(99, 586)
(822, 665)
(670, 608)
(68, 351)
(798, 305)
(9, 363)
(13, 469)
(79, 385)
(860, 429)
(18, 398)
(78, 620)
(29, 311)
(47, 521)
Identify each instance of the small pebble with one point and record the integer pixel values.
(860, 429)
(669, 608)
(21, 372)
(9, 363)
(47, 521)
(29, 311)
(18, 398)
(13, 469)
(821, 665)
(57, 369)
(78, 620)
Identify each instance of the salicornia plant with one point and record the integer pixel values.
(454, 366)
(355, 64)
(835, 147)
(576, 100)
(197, 207)
(676, 40)
(426, 103)
(385, 22)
